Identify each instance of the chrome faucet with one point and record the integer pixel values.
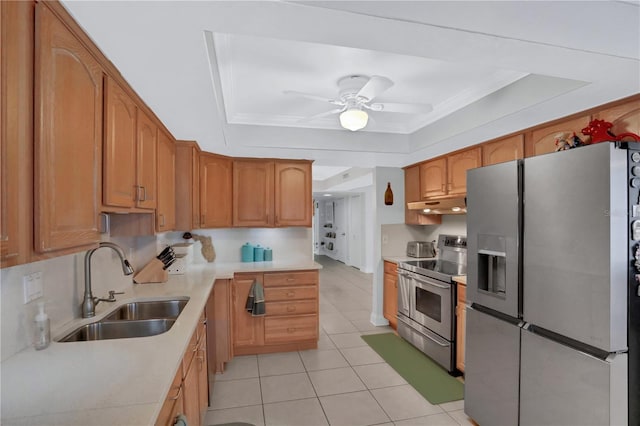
(89, 303)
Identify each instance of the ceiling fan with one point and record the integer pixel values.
(356, 93)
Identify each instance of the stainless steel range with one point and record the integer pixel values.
(427, 297)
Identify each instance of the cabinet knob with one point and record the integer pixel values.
(291, 294)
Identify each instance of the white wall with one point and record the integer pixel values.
(63, 277)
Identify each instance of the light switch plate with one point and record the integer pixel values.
(32, 286)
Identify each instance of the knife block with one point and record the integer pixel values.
(151, 273)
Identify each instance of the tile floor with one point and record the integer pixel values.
(343, 382)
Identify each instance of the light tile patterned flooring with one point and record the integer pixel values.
(343, 382)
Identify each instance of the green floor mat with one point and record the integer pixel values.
(427, 377)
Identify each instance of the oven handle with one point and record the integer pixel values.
(433, 339)
(431, 283)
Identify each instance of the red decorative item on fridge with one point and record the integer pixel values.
(599, 132)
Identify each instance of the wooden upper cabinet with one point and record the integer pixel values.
(502, 150)
(187, 192)
(543, 140)
(625, 117)
(119, 151)
(253, 193)
(293, 203)
(433, 178)
(215, 191)
(457, 166)
(146, 162)
(412, 194)
(16, 131)
(68, 138)
(166, 179)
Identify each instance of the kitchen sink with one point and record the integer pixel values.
(157, 309)
(104, 330)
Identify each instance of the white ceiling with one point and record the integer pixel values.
(214, 71)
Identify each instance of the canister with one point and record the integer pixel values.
(247, 253)
(258, 254)
(268, 254)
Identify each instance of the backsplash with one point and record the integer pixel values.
(63, 277)
(396, 236)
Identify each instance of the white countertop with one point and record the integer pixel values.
(119, 381)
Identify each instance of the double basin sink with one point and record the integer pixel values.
(135, 319)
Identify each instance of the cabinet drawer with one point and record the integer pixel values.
(290, 328)
(390, 267)
(292, 308)
(290, 278)
(290, 293)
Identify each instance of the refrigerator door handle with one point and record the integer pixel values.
(492, 253)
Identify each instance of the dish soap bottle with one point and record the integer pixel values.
(42, 332)
(388, 195)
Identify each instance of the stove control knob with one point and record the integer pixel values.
(635, 170)
(635, 182)
(635, 230)
(635, 157)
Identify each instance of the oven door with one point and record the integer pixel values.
(431, 305)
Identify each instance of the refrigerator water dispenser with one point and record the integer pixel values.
(492, 265)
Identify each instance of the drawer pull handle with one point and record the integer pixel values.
(289, 280)
(291, 329)
(177, 394)
(291, 308)
(291, 294)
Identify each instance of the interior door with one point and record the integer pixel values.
(340, 229)
(356, 221)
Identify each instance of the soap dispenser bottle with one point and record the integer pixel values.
(42, 332)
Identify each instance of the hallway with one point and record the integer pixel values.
(343, 382)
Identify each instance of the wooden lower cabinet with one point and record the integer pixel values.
(174, 403)
(219, 329)
(291, 320)
(390, 294)
(461, 313)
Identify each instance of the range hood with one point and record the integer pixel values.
(442, 206)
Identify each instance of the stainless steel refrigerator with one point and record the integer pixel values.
(553, 324)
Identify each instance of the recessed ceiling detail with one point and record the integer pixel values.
(255, 74)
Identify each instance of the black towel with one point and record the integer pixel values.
(255, 300)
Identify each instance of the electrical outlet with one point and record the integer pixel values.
(32, 286)
(385, 238)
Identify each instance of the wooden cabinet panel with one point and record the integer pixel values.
(412, 194)
(187, 185)
(293, 203)
(461, 312)
(290, 278)
(219, 332)
(290, 293)
(291, 308)
(215, 191)
(433, 178)
(166, 179)
(457, 166)
(247, 330)
(542, 140)
(173, 404)
(253, 193)
(191, 397)
(16, 131)
(68, 138)
(390, 294)
(625, 117)
(290, 328)
(203, 376)
(502, 150)
(119, 150)
(147, 161)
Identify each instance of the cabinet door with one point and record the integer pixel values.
(507, 149)
(461, 313)
(433, 178)
(146, 162)
(173, 405)
(293, 194)
(16, 130)
(390, 305)
(247, 330)
(457, 166)
(187, 192)
(625, 117)
(215, 191)
(411, 194)
(253, 193)
(191, 397)
(119, 151)
(543, 140)
(219, 333)
(203, 375)
(68, 138)
(166, 217)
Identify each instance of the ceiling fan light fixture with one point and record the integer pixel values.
(354, 119)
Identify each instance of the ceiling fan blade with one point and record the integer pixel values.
(322, 114)
(401, 108)
(374, 87)
(310, 96)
